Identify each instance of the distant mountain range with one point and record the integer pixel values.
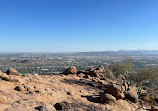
(120, 52)
(95, 53)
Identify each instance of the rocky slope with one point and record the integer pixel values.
(86, 90)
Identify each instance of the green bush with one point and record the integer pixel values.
(140, 77)
(147, 75)
(124, 68)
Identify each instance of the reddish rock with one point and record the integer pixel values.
(91, 69)
(114, 90)
(95, 99)
(95, 73)
(82, 71)
(131, 96)
(107, 97)
(64, 106)
(70, 70)
(100, 69)
(13, 71)
(87, 77)
(4, 76)
(81, 75)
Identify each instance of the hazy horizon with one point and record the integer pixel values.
(1, 52)
(78, 25)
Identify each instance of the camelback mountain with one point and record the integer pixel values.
(85, 90)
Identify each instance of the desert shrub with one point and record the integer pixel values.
(143, 76)
(124, 68)
(138, 77)
(147, 76)
(154, 75)
(108, 73)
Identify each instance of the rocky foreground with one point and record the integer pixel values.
(86, 90)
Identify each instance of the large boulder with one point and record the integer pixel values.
(100, 69)
(70, 70)
(13, 71)
(131, 96)
(95, 73)
(4, 76)
(11, 78)
(115, 90)
(107, 98)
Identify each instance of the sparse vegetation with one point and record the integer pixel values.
(124, 68)
(139, 77)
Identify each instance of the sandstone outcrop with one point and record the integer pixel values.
(107, 98)
(131, 96)
(94, 72)
(13, 71)
(70, 70)
(100, 69)
(115, 90)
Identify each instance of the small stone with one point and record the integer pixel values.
(69, 93)
(19, 88)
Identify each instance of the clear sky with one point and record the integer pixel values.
(78, 25)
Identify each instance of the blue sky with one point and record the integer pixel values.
(78, 25)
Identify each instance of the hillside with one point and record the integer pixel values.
(86, 90)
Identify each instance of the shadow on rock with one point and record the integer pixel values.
(93, 98)
(65, 106)
(84, 82)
